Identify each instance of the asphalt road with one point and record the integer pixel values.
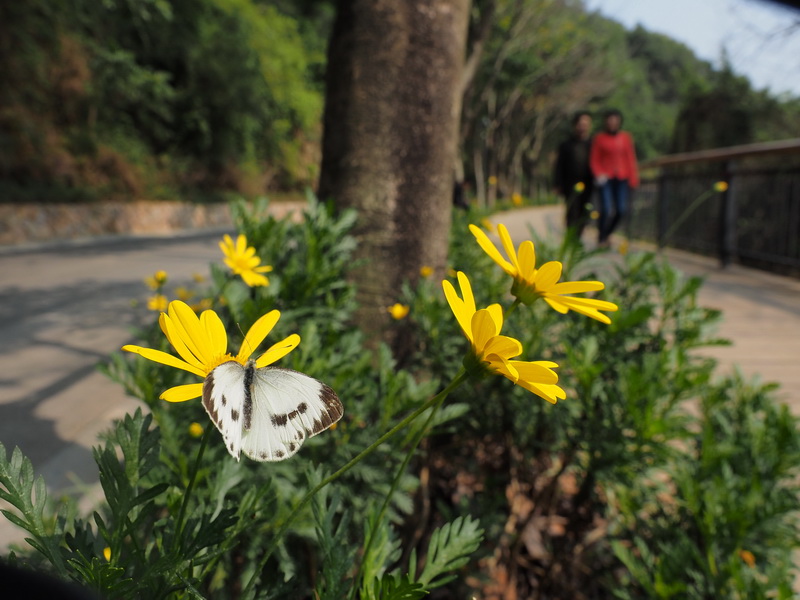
(63, 310)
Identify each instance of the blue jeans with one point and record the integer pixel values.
(613, 193)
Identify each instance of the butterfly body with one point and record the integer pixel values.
(267, 413)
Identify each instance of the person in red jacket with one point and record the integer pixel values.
(613, 163)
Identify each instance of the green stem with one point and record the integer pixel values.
(679, 221)
(384, 507)
(512, 308)
(190, 486)
(458, 380)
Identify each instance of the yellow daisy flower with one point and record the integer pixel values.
(158, 279)
(202, 344)
(425, 271)
(493, 352)
(157, 303)
(580, 186)
(516, 199)
(398, 311)
(107, 554)
(195, 430)
(243, 261)
(531, 283)
(183, 293)
(721, 186)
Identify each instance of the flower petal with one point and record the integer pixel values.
(490, 249)
(466, 291)
(484, 328)
(503, 346)
(164, 358)
(508, 246)
(462, 315)
(278, 351)
(215, 330)
(527, 260)
(577, 287)
(182, 393)
(548, 275)
(256, 334)
(536, 372)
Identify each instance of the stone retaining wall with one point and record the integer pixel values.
(25, 223)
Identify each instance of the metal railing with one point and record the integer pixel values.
(756, 221)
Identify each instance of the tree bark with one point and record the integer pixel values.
(392, 105)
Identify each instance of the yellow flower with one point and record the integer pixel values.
(516, 199)
(487, 225)
(243, 261)
(594, 215)
(195, 430)
(748, 557)
(183, 294)
(198, 278)
(492, 351)
(107, 554)
(204, 304)
(157, 303)
(580, 186)
(202, 345)
(492, 180)
(721, 186)
(531, 283)
(398, 311)
(425, 271)
(158, 279)
(624, 247)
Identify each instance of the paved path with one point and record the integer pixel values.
(65, 309)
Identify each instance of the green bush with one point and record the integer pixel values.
(650, 480)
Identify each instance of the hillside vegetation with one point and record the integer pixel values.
(193, 99)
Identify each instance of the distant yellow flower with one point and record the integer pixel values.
(243, 261)
(531, 283)
(721, 186)
(623, 247)
(487, 225)
(107, 554)
(155, 281)
(398, 311)
(195, 430)
(748, 557)
(451, 272)
(198, 278)
(492, 352)
(594, 215)
(580, 186)
(202, 344)
(425, 271)
(157, 303)
(183, 293)
(492, 180)
(516, 199)
(202, 305)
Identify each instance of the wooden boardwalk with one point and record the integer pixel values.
(760, 311)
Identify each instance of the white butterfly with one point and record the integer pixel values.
(267, 413)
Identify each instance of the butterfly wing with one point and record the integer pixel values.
(225, 400)
(287, 407)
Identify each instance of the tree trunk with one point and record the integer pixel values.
(390, 134)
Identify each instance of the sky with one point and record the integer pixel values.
(762, 38)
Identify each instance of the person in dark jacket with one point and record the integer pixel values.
(572, 176)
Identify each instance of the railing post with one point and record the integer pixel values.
(727, 218)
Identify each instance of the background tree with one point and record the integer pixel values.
(391, 110)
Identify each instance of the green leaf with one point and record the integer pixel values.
(449, 549)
